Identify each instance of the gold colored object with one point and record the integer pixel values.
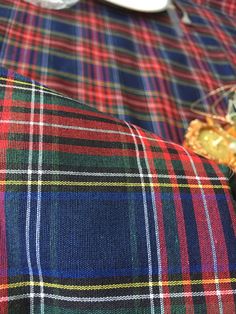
(231, 131)
(215, 138)
(212, 141)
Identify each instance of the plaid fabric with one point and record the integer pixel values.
(99, 216)
(133, 66)
(226, 6)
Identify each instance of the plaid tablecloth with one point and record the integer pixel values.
(98, 215)
(132, 66)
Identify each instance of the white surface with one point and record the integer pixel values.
(53, 4)
(142, 5)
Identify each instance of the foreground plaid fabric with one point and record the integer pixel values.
(133, 66)
(99, 216)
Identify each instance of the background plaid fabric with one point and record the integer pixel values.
(226, 6)
(133, 66)
(102, 217)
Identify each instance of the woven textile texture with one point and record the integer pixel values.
(226, 6)
(100, 216)
(137, 67)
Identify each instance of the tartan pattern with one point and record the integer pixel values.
(133, 66)
(103, 217)
(226, 6)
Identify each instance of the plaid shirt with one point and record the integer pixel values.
(102, 217)
(98, 215)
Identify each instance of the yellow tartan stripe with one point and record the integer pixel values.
(119, 286)
(121, 184)
(23, 83)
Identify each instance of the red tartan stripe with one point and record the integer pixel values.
(7, 102)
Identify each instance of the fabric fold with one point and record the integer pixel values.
(101, 216)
